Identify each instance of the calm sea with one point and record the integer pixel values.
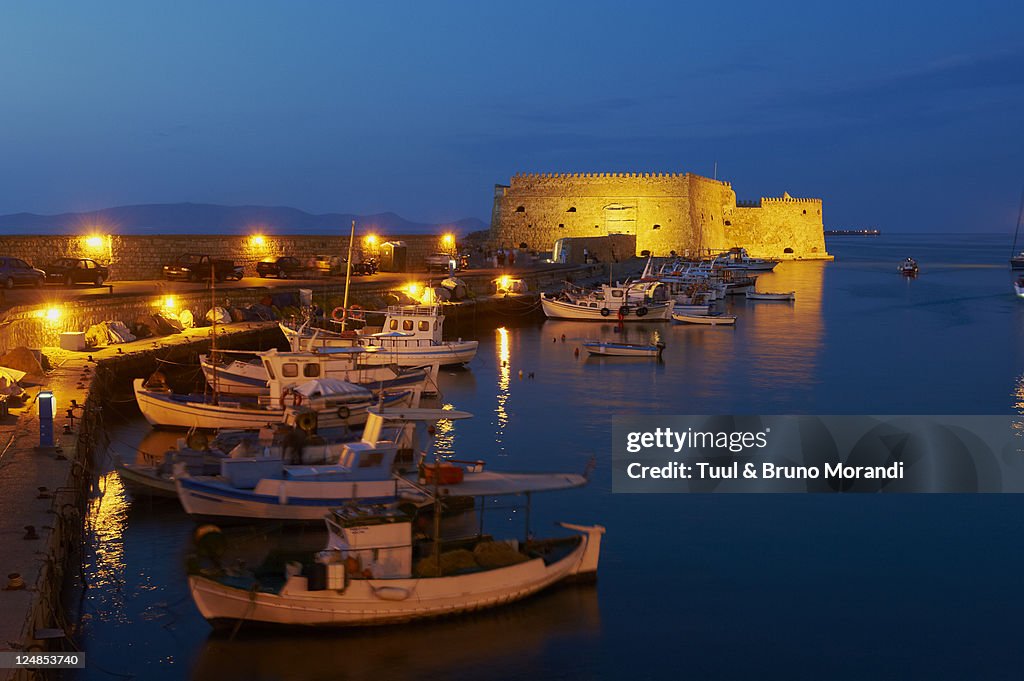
(691, 586)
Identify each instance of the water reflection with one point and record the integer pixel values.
(511, 642)
(107, 520)
(444, 434)
(504, 381)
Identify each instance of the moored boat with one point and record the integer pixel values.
(908, 268)
(1018, 287)
(709, 320)
(765, 295)
(627, 303)
(608, 349)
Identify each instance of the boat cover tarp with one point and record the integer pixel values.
(331, 387)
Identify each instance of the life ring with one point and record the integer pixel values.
(356, 312)
(335, 314)
(344, 412)
(605, 312)
(641, 311)
(306, 421)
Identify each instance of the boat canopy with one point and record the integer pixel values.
(330, 387)
(392, 334)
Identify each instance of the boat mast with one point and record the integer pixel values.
(348, 276)
(213, 337)
(1020, 211)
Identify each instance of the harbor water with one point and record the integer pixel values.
(699, 586)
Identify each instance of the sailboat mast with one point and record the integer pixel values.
(348, 275)
(1016, 232)
(213, 337)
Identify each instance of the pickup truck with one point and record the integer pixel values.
(195, 267)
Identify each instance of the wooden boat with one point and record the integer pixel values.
(765, 295)
(411, 336)
(710, 320)
(626, 303)
(908, 268)
(375, 570)
(162, 408)
(624, 349)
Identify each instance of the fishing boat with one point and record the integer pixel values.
(737, 259)
(381, 564)
(336, 403)
(410, 336)
(1018, 287)
(765, 295)
(607, 349)
(908, 268)
(710, 319)
(252, 376)
(627, 303)
(1017, 261)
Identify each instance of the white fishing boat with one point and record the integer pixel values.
(627, 303)
(410, 336)
(252, 376)
(379, 568)
(709, 320)
(737, 259)
(336, 403)
(908, 268)
(1018, 287)
(765, 295)
(608, 349)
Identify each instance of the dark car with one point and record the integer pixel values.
(282, 267)
(70, 271)
(15, 272)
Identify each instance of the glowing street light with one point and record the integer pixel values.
(258, 240)
(94, 242)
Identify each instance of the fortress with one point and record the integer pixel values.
(666, 212)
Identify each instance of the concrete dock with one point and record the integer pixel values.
(43, 492)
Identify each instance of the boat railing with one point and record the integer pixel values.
(415, 310)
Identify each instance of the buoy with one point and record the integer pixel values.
(14, 582)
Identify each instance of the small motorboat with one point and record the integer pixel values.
(708, 319)
(908, 268)
(1018, 287)
(765, 295)
(624, 349)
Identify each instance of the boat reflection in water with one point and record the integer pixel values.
(510, 642)
(504, 382)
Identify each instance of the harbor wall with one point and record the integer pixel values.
(134, 257)
(680, 212)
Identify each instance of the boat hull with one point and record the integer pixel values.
(558, 309)
(781, 297)
(622, 350)
(368, 602)
(163, 409)
(413, 352)
(708, 320)
(246, 379)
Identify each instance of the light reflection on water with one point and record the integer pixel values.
(105, 565)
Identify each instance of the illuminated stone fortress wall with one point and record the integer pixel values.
(666, 211)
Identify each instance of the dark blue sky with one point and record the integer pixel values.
(905, 115)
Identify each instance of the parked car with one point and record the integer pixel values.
(440, 262)
(15, 271)
(194, 267)
(366, 267)
(282, 268)
(70, 271)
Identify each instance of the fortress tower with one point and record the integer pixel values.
(665, 211)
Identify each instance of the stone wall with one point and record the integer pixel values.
(678, 212)
(134, 257)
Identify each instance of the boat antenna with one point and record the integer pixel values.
(1020, 211)
(348, 276)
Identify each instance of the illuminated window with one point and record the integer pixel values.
(393, 325)
(407, 325)
(424, 326)
(290, 370)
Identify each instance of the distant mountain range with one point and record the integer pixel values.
(206, 218)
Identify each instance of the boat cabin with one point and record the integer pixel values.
(413, 322)
(377, 538)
